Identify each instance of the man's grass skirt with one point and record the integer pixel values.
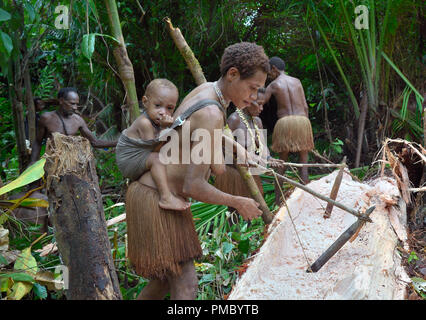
(158, 240)
(292, 134)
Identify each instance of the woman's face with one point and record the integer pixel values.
(256, 107)
(244, 91)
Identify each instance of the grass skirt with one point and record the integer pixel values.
(158, 240)
(292, 134)
(232, 183)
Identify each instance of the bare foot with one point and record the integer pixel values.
(173, 203)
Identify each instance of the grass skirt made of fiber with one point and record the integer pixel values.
(231, 182)
(158, 240)
(292, 134)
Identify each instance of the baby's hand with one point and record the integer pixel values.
(166, 121)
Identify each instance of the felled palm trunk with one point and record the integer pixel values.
(77, 215)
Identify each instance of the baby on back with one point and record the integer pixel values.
(135, 153)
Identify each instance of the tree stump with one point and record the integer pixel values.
(77, 215)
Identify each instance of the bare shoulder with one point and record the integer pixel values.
(210, 117)
(47, 115)
(76, 117)
(258, 122)
(233, 117)
(293, 80)
(141, 122)
(234, 121)
(141, 128)
(275, 85)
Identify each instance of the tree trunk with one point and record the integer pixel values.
(361, 126)
(15, 93)
(424, 127)
(186, 52)
(77, 215)
(125, 67)
(31, 112)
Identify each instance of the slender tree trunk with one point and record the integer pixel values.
(361, 126)
(31, 112)
(15, 93)
(125, 67)
(76, 211)
(186, 52)
(424, 127)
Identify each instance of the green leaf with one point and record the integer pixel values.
(19, 290)
(402, 76)
(28, 202)
(4, 15)
(5, 284)
(3, 261)
(227, 247)
(31, 174)
(40, 291)
(207, 278)
(419, 285)
(7, 42)
(88, 45)
(26, 262)
(236, 236)
(30, 10)
(20, 276)
(243, 246)
(412, 257)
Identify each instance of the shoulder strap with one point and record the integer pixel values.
(63, 123)
(199, 105)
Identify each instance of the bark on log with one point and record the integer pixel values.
(76, 211)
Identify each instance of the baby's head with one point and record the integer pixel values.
(160, 99)
(256, 108)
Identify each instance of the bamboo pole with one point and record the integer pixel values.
(248, 179)
(125, 67)
(316, 194)
(186, 52)
(316, 165)
(339, 243)
(335, 189)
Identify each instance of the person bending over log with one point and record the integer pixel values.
(135, 148)
(162, 244)
(249, 126)
(293, 131)
(65, 120)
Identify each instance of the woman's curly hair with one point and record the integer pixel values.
(247, 57)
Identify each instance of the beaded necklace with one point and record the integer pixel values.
(243, 117)
(219, 95)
